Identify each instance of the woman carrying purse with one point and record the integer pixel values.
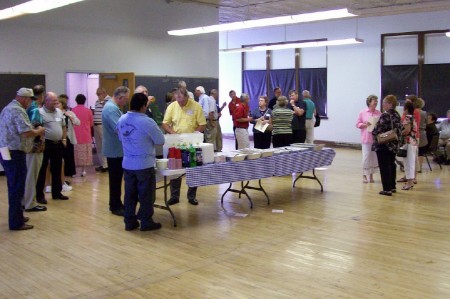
(386, 151)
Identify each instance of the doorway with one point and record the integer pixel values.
(84, 83)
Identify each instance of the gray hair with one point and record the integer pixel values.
(140, 89)
(306, 94)
(244, 96)
(121, 90)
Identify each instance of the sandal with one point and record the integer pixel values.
(365, 181)
(402, 180)
(406, 187)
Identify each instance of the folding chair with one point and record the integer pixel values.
(431, 151)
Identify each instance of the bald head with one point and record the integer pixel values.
(50, 101)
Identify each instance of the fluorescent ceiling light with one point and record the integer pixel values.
(448, 33)
(293, 45)
(301, 18)
(34, 6)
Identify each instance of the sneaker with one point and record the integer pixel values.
(48, 189)
(66, 188)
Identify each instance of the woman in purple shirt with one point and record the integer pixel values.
(366, 121)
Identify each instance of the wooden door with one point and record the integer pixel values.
(110, 81)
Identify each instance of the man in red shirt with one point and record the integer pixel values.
(235, 101)
(241, 121)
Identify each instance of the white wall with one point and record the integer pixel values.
(353, 71)
(109, 36)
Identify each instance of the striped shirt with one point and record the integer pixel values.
(281, 121)
(98, 110)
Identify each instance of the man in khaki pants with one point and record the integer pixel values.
(310, 120)
(103, 97)
(34, 158)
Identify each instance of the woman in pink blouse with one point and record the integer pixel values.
(83, 149)
(366, 121)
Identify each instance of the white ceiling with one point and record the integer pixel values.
(239, 10)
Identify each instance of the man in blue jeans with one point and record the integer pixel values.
(16, 139)
(139, 135)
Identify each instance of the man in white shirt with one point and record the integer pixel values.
(210, 112)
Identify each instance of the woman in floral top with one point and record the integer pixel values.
(389, 120)
(410, 132)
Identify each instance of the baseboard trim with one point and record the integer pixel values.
(328, 143)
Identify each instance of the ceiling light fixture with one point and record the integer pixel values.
(298, 44)
(447, 33)
(301, 18)
(34, 6)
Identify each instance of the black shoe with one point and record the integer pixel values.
(193, 202)
(42, 201)
(26, 219)
(394, 190)
(23, 227)
(37, 208)
(387, 193)
(151, 226)
(100, 168)
(104, 169)
(60, 197)
(132, 227)
(118, 212)
(173, 201)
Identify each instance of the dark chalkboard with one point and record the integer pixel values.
(159, 86)
(11, 83)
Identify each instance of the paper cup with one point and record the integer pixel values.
(5, 153)
(162, 163)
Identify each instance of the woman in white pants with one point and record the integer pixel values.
(409, 133)
(366, 121)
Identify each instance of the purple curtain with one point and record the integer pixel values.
(254, 85)
(315, 80)
(285, 79)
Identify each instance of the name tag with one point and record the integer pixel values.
(190, 112)
(58, 119)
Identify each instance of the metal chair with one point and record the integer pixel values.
(432, 149)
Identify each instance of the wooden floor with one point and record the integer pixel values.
(347, 242)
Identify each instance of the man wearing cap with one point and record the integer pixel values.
(209, 111)
(55, 141)
(35, 157)
(16, 136)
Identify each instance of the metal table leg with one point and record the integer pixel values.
(166, 206)
(242, 190)
(313, 177)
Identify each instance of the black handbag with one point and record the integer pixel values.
(317, 123)
(402, 152)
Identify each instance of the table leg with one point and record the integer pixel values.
(166, 206)
(260, 188)
(242, 190)
(313, 177)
